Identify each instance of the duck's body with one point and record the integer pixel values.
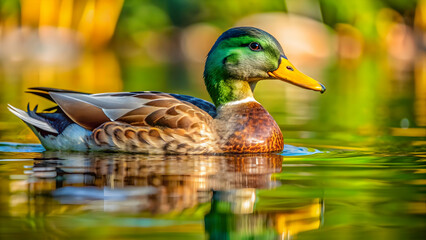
(161, 123)
(152, 122)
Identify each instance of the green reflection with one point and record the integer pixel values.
(233, 216)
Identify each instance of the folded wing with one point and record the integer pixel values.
(139, 109)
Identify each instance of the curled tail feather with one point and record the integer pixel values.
(32, 120)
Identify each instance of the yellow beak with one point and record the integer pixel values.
(288, 73)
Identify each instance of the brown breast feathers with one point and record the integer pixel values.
(248, 128)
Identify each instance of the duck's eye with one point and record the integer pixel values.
(290, 68)
(254, 46)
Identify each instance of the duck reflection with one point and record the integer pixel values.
(161, 185)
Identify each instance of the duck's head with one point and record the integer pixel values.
(241, 57)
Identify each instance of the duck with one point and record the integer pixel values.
(151, 122)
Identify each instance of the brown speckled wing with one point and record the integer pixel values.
(161, 126)
(166, 112)
(148, 122)
(91, 110)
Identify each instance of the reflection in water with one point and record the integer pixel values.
(164, 185)
(233, 216)
(120, 196)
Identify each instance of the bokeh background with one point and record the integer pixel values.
(370, 54)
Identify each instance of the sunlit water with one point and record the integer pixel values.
(303, 193)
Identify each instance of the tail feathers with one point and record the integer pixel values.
(36, 122)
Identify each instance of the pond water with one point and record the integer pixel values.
(303, 193)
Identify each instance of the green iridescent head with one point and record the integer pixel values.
(240, 58)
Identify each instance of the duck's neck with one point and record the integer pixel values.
(225, 91)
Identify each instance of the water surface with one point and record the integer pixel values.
(303, 192)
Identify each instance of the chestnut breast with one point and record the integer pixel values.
(247, 128)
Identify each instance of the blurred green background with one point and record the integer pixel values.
(369, 54)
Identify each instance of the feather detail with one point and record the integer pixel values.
(160, 126)
(31, 120)
(141, 108)
(154, 140)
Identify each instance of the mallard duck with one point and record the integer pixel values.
(164, 123)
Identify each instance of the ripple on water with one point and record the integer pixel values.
(20, 147)
(289, 150)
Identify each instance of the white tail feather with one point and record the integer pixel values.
(30, 120)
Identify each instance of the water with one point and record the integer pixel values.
(303, 193)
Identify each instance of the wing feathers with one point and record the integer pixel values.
(104, 101)
(90, 111)
(153, 117)
(83, 113)
(137, 108)
(114, 114)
